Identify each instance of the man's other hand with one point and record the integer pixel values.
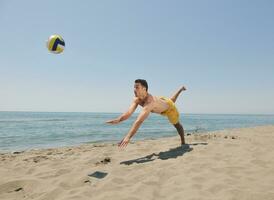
(113, 121)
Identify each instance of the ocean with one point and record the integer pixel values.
(34, 130)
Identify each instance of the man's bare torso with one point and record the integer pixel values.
(157, 104)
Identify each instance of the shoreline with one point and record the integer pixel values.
(112, 142)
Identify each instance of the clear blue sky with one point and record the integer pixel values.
(223, 51)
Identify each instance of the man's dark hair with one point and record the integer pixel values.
(142, 82)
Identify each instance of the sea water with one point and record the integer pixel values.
(32, 130)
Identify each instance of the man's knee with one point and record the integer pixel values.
(173, 99)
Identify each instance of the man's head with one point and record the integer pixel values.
(140, 88)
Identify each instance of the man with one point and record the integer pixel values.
(160, 105)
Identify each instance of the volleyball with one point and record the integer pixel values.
(56, 44)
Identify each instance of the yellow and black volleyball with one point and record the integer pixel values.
(56, 44)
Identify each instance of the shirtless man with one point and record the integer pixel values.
(160, 105)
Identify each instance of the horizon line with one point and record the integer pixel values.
(135, 112)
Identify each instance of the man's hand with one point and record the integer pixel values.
(124, 142)
(114, 121)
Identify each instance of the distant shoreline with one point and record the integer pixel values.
(112, 142)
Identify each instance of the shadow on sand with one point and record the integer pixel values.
(172, 153)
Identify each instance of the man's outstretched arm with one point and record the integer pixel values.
(142, 116)
(125, 115)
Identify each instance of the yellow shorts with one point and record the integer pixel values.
(172, 112)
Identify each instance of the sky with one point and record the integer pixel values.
(222, 51)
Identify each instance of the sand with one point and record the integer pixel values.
(229, 164)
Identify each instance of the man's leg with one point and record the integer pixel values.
(175, 96)
(181, 132)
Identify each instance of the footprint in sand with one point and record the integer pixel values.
(36, 159)
(105, 161)
(18, 186)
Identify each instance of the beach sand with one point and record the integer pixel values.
(229, 164)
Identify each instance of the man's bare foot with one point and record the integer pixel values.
(183, 88)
